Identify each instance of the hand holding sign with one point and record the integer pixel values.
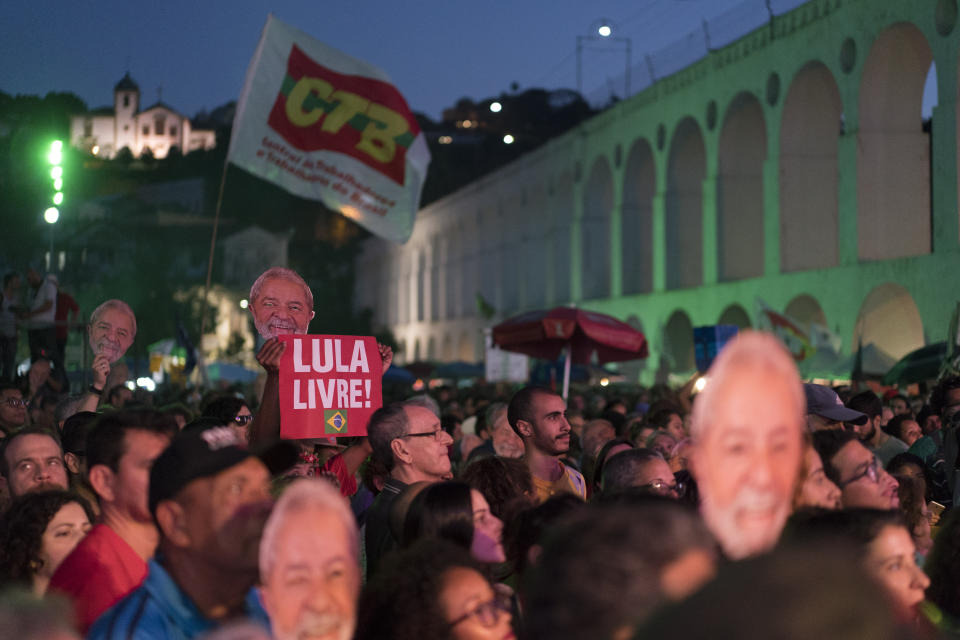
(270, 355)
(329, 385)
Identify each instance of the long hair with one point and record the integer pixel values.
(442, 510)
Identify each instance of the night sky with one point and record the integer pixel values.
(435, 51)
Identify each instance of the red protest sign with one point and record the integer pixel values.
(329, 385)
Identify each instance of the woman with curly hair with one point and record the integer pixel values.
(433, 590)
(502, 481)
(37, 532)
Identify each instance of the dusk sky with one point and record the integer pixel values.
(435, 51)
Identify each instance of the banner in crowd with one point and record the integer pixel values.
(787, 329)
(329, 385)
(329, 127)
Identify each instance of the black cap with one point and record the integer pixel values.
(201, 453)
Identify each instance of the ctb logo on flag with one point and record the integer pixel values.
(364, 118)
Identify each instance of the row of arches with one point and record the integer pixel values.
(888, 322)
(890, 147)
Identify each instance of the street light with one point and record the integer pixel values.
(496, 107)
(603, 33)
(52, 214)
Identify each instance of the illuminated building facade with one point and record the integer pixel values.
(103, 132)
(792, 166)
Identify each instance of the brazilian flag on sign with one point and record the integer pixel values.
(335, 421)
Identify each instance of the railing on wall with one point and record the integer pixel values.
(649, 66)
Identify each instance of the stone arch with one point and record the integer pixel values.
(421, 276)
(431, 349)
(405, 351)
(735, 314)
(631, 369)
(595, 231)
(889, 319)
(416, 351)
(742, 153)
(893, 152)
(809, 210)
(678, 341)
(446, 349)
(534, 249)
(686, 169)
(467, 291)
(561, 204)
(636, 229)
(806, 310)
(465, 347)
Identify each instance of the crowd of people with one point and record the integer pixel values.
(759, 507)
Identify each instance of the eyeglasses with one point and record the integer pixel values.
(663, 488)
(434, 434)
(243, 420)
(487, 613)
(16, 402)
(872, 472)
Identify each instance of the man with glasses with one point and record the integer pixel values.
(409, 442)
(856, 471)
(642, 469)
(13, 409)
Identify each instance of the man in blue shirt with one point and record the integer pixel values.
(210, 498)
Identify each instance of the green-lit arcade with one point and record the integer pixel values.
(793, 166)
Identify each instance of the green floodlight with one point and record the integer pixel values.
(56, 152)
(51, 215)
(58, 184)
(58, 198)
(56, 173)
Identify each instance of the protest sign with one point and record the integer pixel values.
(329, 385)
(329, 127)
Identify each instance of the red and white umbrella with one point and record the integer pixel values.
(581, 334)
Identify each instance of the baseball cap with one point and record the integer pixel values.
(201, 453)
(824, 402)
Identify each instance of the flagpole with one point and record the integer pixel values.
(201, 361)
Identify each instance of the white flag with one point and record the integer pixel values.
(329, 127)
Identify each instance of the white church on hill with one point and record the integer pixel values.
(103, 132)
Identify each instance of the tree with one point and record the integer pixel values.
(124, 156)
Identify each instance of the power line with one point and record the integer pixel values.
(556, 68)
